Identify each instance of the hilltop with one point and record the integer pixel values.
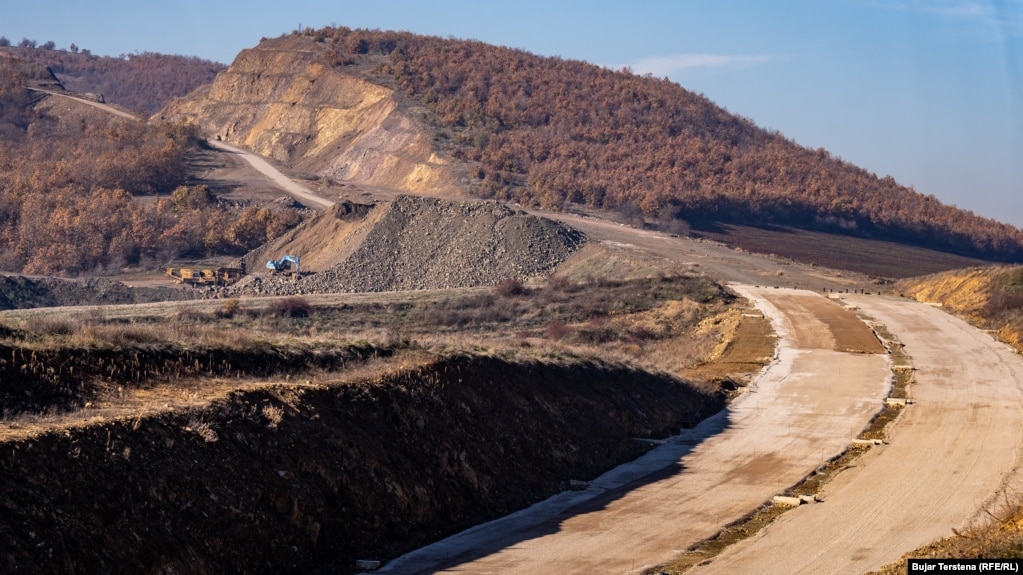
(144, 81)
(452, 117)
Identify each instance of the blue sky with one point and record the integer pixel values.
(929, 92)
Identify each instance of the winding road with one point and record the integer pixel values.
(950, 457)
(644, 513)
(259, 164)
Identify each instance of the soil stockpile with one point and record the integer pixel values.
(306, 479)
(427, 243)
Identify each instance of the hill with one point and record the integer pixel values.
(146, 81)
(441, 116)
(82, 190)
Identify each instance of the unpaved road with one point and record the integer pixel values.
(686, 490)
(715, 259)
(285, 183)
(106, 108)
(948, 454)
(259, 164)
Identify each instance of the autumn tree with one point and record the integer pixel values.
(551, 132)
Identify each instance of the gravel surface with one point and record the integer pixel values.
(428, 243)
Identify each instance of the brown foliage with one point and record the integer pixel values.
(68, 187)
(549, 132)
(510, 287)
(290, 307)
(146, 81)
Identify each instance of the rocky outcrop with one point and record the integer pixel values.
(281, 100)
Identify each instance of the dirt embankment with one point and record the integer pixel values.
(988, 297)
(301, 479)
(417, 243)
(19, 292)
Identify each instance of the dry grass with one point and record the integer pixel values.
(184, 354)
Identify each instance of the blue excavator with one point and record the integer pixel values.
(286, 265)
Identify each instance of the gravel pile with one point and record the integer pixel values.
(428, 243)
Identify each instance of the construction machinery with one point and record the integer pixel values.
(286, 265)
(206, 276)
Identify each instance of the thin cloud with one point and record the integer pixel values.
(666, 65)
(1006, 15)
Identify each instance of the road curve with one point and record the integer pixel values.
(262, 166)
(284, 182)
(949, 454)
(687, 489)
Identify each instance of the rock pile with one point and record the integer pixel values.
(428, 243)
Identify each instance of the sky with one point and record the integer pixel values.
(929, 92)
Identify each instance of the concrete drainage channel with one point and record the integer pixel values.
(808, 490)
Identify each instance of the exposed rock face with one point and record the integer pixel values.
(281, 100)
(420, 243)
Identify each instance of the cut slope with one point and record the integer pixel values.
(419, 243)
(322, 241)
(282, 100)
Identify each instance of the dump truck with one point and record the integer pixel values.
(206, 276)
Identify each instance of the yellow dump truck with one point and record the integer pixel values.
(206, 276)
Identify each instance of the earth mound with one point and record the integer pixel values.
(21, 292)
(416, 243)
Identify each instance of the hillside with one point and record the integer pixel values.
(83, 191)
(430, 115)
(284, 101)
(145, 81)
(990, 297)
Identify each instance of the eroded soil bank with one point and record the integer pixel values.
(306, 479)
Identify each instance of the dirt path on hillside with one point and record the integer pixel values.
(948, 454)
(287, 184)
(105, 107)
(687, 489)
(712, 258)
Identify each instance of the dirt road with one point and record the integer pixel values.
(716, 260)
(94, 104)
(792, 421)
(259, 164)
(287, 184)
(949, 453)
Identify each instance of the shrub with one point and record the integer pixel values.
(229, 309)
(562, 284)
(510, 287)
(42, 326)
(557, 330)
(290, 307)
(192, 315)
